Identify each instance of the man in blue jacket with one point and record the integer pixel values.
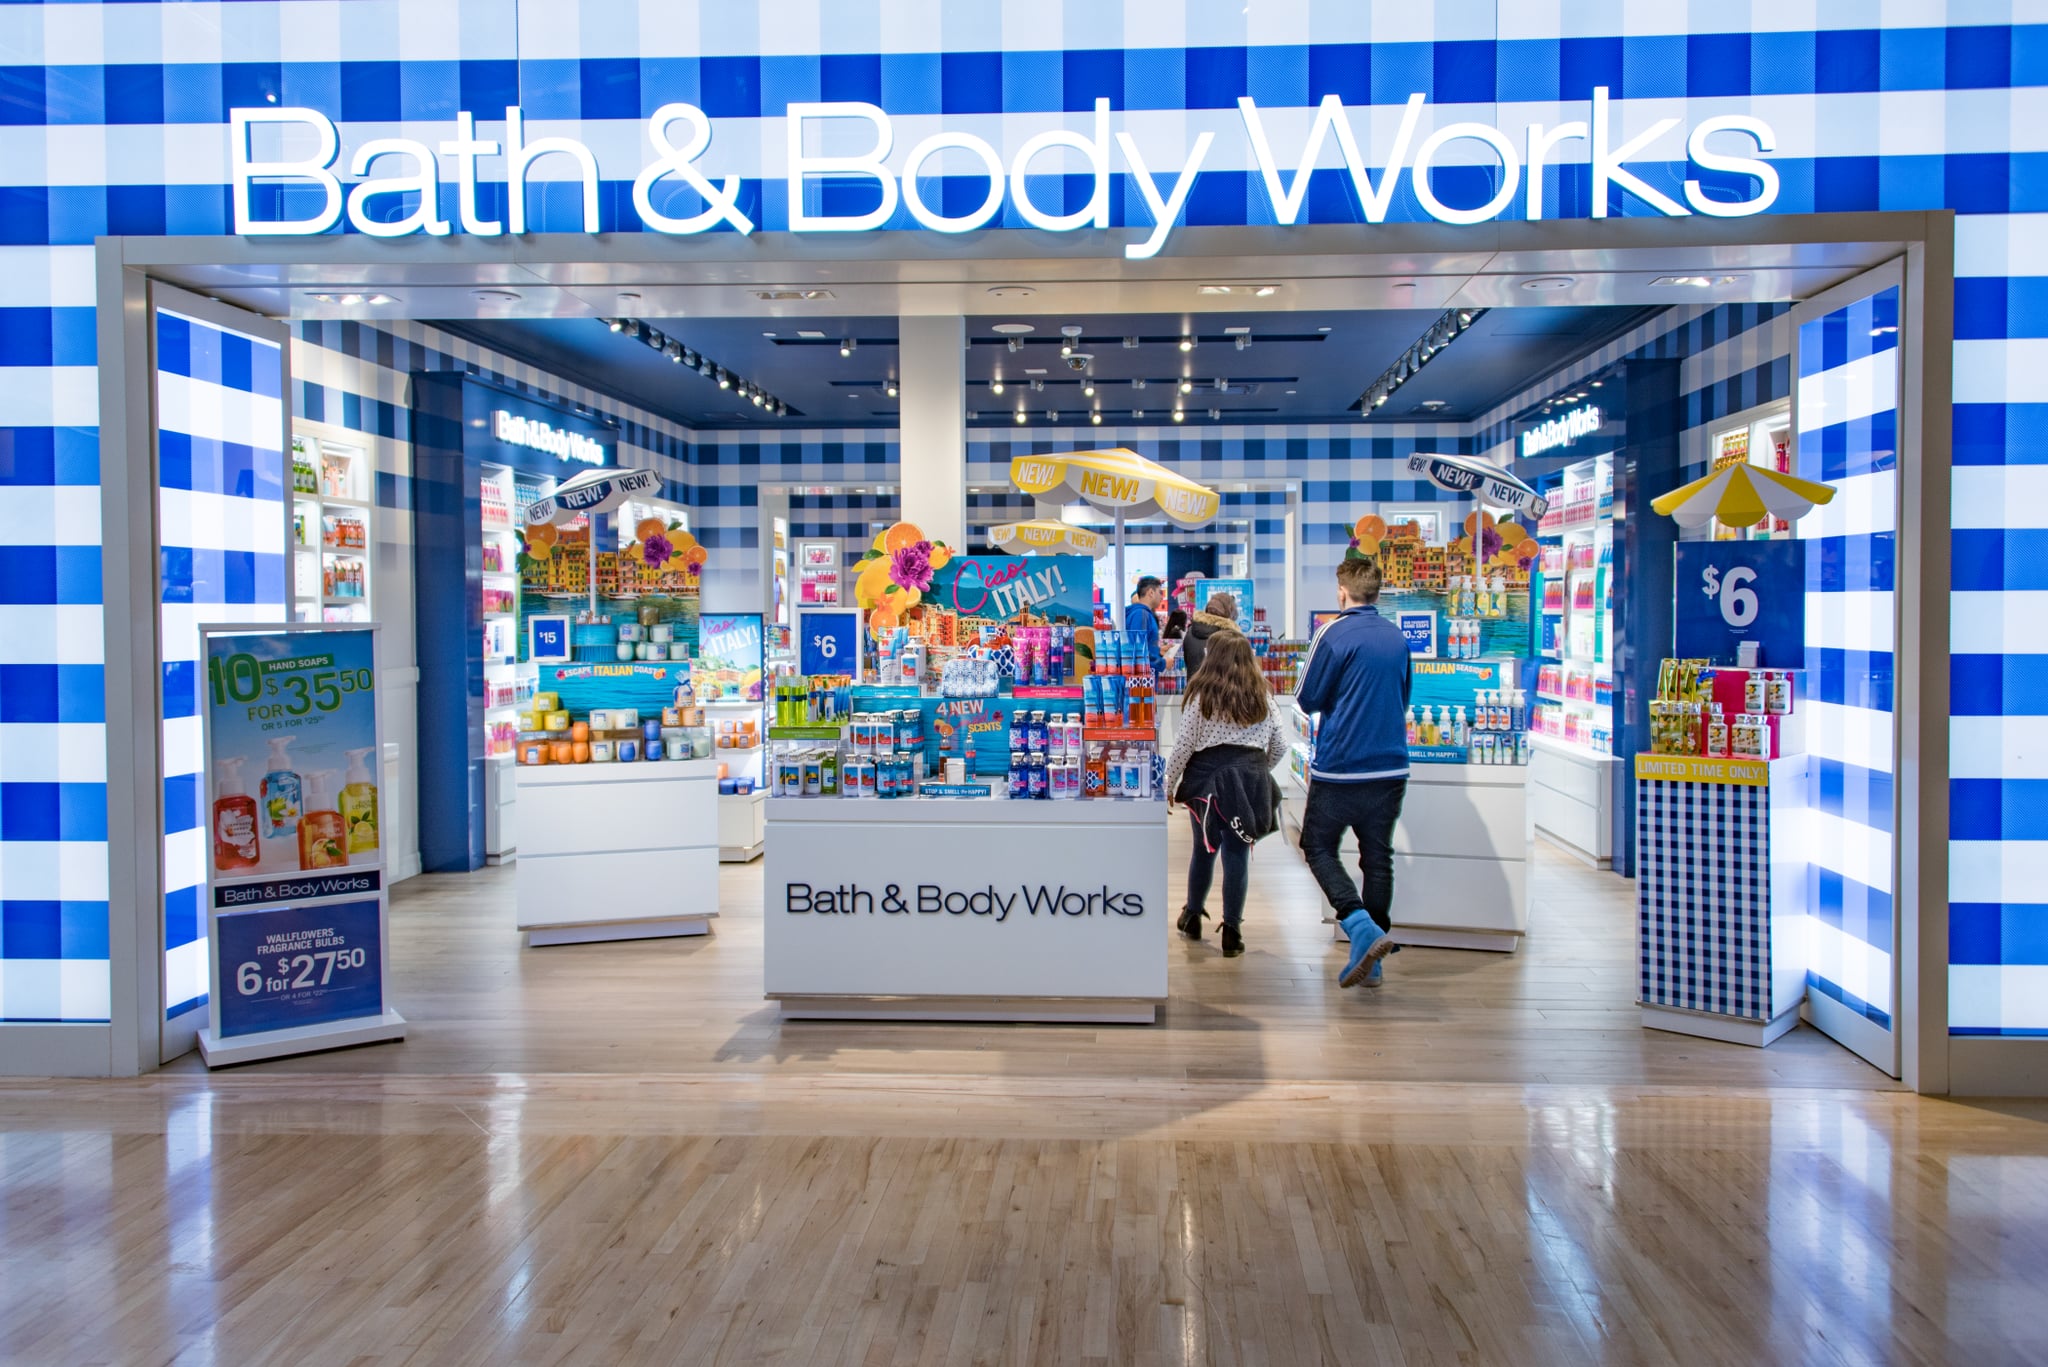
(1141, 619)
(1357, 677)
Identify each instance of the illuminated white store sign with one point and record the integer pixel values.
(1164, 187)
(535, 435)
(1561, 430)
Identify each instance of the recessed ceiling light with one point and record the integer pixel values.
(1266, 291)
(1549, 282)
(767, 334)
(1012, 329)
(1290, 391)
(810, 334)
(494, 296)
(1237, 332)
(1403, 285)
(1322, 329)
(1212, 289)
(1433, 404)
(1034, 370)
(1012, 292)
(628, 297)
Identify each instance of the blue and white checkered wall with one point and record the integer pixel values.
(1848, 437)
(114, 123)
(221, 510)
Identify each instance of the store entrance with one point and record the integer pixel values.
(1330, 479)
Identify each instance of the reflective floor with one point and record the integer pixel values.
(614, 1154)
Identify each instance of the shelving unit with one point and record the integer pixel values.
(1571, 763)
(504, 688)
(1764, 441)
(817, 573)
(333, 530)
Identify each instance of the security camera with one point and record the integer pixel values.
(1080, 360)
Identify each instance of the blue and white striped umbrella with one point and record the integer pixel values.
(590, 493)
(1482, 479)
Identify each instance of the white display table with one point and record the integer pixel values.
(617, 851)
(1461, 857)
(1573, 798)
(964, 909)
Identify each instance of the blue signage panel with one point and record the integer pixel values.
(1420, 629)
(303, 964)
(1241, 589)
(1735, 591)
(547, 639)
(828, 641)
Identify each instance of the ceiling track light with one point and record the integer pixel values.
(1215, 413)
(1138, 383)
(890, 389)
(1020, 415)
(1178, 415)
(1087, 389)
(1038, 386)
(1187, 386)
(1016, 344)
(1130, 344)
(691, 359)
(1187, 344)
(995, 386)
(846, 348)
(1096, 418)
(1243, 340)
(1438, 335)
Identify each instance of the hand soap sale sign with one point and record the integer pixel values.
(295, 845)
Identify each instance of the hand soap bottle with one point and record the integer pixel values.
(359, 804)
(235, 844)
(281, 794)
(323, 840)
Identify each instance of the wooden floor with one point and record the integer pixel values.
(614, 1154)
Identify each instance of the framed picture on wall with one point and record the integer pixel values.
(1430, 518)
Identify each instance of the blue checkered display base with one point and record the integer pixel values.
(1703, 910)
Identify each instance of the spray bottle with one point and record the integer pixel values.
(282, 794)
(359, 804)
(235, 843)
(323, 840)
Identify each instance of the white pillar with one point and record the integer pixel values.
(932, 434)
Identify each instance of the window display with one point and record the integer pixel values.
(332, 545)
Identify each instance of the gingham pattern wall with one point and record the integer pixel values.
(53, 744)
(220, 510)
(114, 120)
(1703, 897)
(1847, 435)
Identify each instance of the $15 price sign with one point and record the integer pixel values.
(1735, 591)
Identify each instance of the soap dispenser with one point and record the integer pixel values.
(282, 793)
(235, 845)
(323, 841)
(359, 804)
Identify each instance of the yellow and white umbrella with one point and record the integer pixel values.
(1046, 537)
(1741, 495)
(1119, 482)
(1116, 481)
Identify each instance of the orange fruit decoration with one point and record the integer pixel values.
(872, 583)
(546, 534)
(1371, 527)
(881, 621)
(649, 526)
(1368, 546)
(1477, 519)
(1511, 533)
(940, 555)
(900, 537)
(695, 555)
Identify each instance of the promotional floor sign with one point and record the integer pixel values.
(296, 903)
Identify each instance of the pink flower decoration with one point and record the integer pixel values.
(911, 567)
(656, 549)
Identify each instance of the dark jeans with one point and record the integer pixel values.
(1368, 810)
(1237, 872)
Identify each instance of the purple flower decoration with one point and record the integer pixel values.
(656, 549)
(911, 567)
(1489, 544)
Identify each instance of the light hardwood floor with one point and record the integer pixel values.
(614, 1154)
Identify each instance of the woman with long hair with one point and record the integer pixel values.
(1221, 770)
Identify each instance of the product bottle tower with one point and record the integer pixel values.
(359, 804)
(323, 840)
(235, 844)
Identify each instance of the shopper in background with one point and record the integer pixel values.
(1176, 625)
(1221, 769)
(1141, 619)
(1219, 615)
(1357, 676)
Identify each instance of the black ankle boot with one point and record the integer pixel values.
(1233, 942)
(1190, 923)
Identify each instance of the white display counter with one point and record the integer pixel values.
(1461, 857)
(1573, 798)
(617, 851)
(965, 909)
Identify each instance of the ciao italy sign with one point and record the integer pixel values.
(303, 148)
